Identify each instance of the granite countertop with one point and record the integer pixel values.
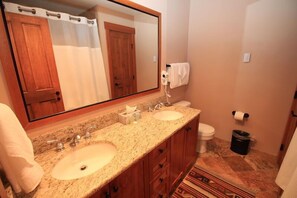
(132, 141)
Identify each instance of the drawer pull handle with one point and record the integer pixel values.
(161, 165)
(161, 150)
(160, 196)
(161, 180)
(107, 195)
(115, 189)
(188, 129)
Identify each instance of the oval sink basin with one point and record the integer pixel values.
(84, 161)
(168, 115)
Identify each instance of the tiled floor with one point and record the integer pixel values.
(256, 171)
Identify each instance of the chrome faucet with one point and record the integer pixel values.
(88, 132)
(150, 109)
(75, 140)
(59, 146)
(158, 106)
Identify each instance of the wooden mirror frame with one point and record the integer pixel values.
(9, 69)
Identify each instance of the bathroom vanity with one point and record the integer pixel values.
(152, 157)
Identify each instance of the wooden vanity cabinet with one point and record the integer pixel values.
(130, 183)
(157, 174)
(183, 152)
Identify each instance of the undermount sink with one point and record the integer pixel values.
(168, 115)
(84, 161)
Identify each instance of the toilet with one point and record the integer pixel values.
(205, 131)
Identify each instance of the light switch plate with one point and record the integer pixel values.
(246, 57)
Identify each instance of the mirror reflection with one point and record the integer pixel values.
(71, 54)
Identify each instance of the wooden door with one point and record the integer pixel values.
(121, 57)
(131, 183)
(191, 142)
(177, 157)
(289, 131)
(32, 46)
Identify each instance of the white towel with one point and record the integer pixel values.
(287, 175)
(16, 153)
(179, 74)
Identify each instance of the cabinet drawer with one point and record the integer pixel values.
(158, 167)
(162, 149)
(159, 187)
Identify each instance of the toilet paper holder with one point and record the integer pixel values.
(246, 115)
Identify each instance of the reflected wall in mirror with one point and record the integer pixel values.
(72, 54)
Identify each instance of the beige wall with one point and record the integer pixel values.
(219, 33)
(177, 35)
(146, 43)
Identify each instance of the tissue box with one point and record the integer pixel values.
(127, 118)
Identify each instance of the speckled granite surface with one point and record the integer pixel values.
(101, 121)
(132, 141)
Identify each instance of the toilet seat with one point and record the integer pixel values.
(205, 130)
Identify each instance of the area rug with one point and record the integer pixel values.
(201, 184)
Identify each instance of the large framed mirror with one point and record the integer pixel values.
(72, 57)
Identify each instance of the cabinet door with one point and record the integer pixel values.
(191, 142)
(102, 193)
(130, 183)
(177, 157)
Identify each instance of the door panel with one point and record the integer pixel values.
(191, 142)
(121, 56)
(130, 183)
(36, 65)
(290, 129)
(177, 157)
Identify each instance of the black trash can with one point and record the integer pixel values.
(240, 142)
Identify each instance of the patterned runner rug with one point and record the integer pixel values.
(201, 184)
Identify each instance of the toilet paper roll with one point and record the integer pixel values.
(239, 116)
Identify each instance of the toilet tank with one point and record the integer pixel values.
(182, 103)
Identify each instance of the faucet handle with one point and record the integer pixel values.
(88, 132)
(161, 104)
(150, 109)
(59, 146)
(76, 138)
(87, 135)
(52, 141)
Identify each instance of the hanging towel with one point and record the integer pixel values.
(16, 153)
(287, 175)
(179, 74)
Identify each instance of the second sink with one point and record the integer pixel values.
(168, 115)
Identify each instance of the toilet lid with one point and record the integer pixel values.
(206, 129)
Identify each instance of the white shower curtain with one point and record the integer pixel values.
(77, 54)
(79, 62)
